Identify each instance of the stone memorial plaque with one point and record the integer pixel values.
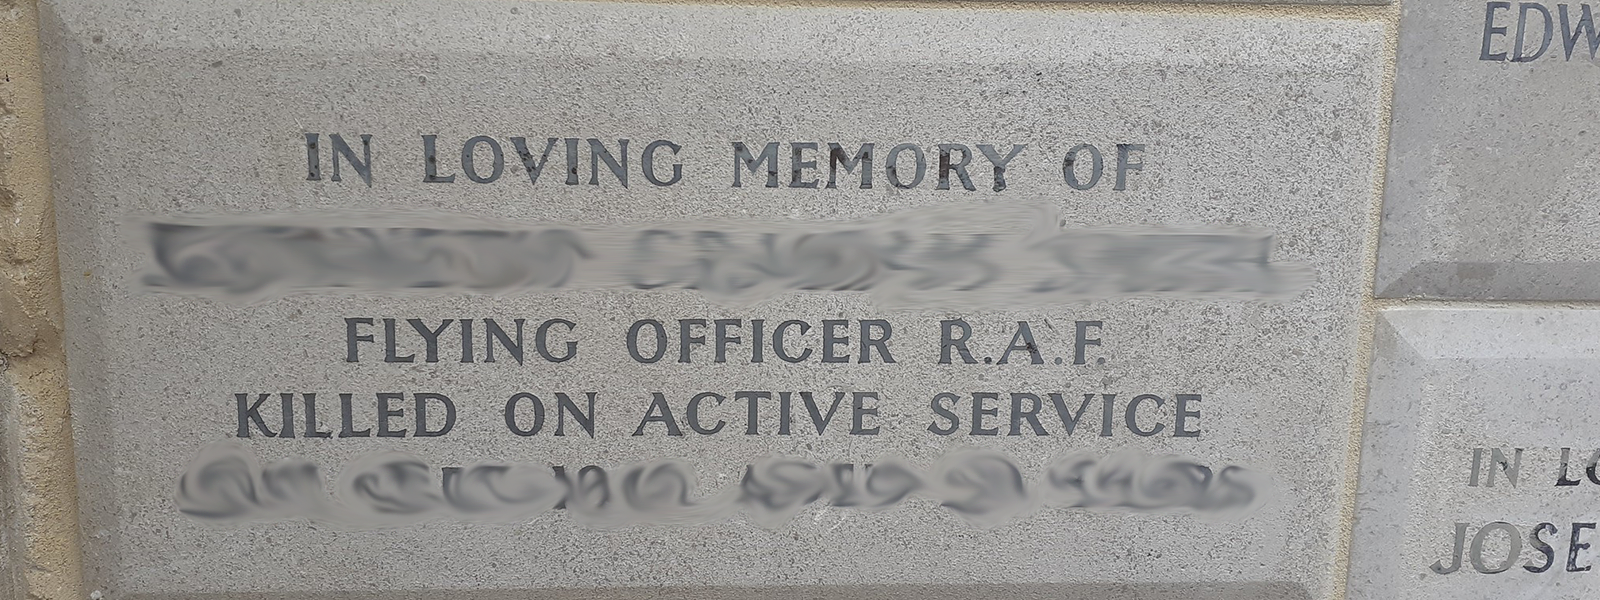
(1492, 160)
(1478, 471)
(496, 299)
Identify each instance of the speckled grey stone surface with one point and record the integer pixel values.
(1492, 163)
(1444, 383)
(1265, 122)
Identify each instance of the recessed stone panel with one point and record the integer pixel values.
(1477, 472)
(489, 299)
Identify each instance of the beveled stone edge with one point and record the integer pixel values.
(1577, 281)
(1262, 590)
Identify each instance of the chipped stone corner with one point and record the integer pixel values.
(40, 558)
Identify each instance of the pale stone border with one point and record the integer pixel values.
(39, 549)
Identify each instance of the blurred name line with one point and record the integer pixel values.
(927, 258)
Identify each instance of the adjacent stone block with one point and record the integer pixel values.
(1493, 161)
(1478, 468)
(1174, 441)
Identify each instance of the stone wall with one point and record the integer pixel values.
(1416, 326)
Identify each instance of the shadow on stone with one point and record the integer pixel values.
(1497, 281)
